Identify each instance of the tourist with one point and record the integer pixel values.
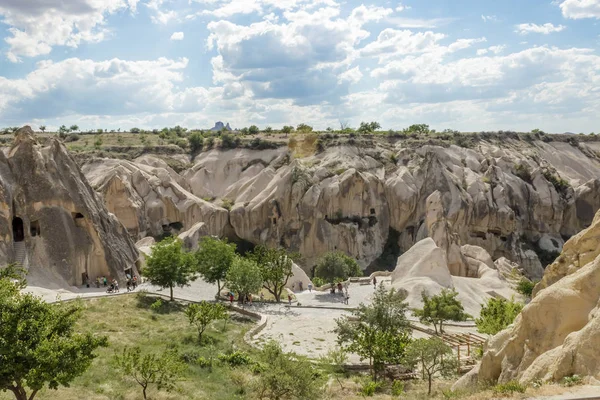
(134, 281)
(104, 280)
(116, 285)
(301, 286)
(87, 280)
(129, 285)
(98, 281)
(262, 297)
(346, 298)
(310, 287)
(231, 298)
(250, 299)
(289, 299)
(374, 282)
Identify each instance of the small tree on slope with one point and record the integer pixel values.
(440, 308)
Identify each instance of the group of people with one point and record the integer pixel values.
(113, 287)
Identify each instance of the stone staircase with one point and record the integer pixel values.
(21, 254)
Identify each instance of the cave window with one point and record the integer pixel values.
(34, 228)
(78, 218)
(372, 211)
(17, 228)
(274, 221)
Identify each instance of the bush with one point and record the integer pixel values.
(227, 204)
(72, 138)
(318, 281)
(397, 388)
(196, 139)
(209, 142)
(525, 287)
(523, 172)
(509, 388)
(156, 306)
(560, 185)
(229, 142)
(497, 314)
(369, 388)
(571, 380)
(235, 359)
(204, 363)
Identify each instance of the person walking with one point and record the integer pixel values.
(116, 286)
(231, 298)
(262, 297)
(290, 299)
(310, 287)
(374, 282)
(105, 281)
(134, 281)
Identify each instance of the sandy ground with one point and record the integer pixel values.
(577, 392)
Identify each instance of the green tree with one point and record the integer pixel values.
(379, 331)
(169, 266)
(287, 130)
(202, 314)
(497, 314)
(303, 128)
(74, 128)
(275, 267)
(287, 376)
(162, 371)
(62, 131)
(214, 257)
(38, 343)
(337, 266)
(268, 129)
(135, 130)
(244, 277)
(43, 128)
(253, 130)
(439, 308)
(433, 356)
(196, 140)
(368, 127)
(98, 142)
(419, 128)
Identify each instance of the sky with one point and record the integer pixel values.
(470, 65)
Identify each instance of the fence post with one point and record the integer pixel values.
(458, 348)
(469, 345)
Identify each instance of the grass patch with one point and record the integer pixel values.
(129, 321)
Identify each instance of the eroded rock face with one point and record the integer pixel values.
(424, 268)
(149, 198)
(497, 196)
(52, 220)
(558, 333)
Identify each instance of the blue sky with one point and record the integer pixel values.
(466, 64)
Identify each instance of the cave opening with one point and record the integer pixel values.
(18, 231)
(34, 228)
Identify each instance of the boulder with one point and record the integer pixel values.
(192, 236)
(298, 277)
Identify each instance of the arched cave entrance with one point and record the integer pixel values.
(17, 229)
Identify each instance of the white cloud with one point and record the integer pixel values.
(352, 75)
(546, 29)
(492, 49)
(419, 23)
(491, 18)
(37, 27)
(577, 9)
(177, 36)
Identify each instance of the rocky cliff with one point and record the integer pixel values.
(558, 333)
(52, 221)
(516, 199)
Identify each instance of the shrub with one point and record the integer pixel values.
(572, 380)
(497, 314)
(509, 388)
(229, 142)
(523, 172)
(157, 305)
(72, 138)
(559, 184)
(235, 359)
(204, 363)
(318, 281)
(227, 204)
(525, 287)
(196, 139)
(369, 388)
(397, 388)
(209, 142)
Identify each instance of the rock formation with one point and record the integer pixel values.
(149, 198)
(507, 198)
(219, 126)
(51, 220)
(558, 333)
(424, 268)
